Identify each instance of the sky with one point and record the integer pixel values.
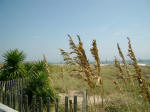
(41, 26)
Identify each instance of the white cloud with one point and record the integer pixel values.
(120, 34)
(35, 36)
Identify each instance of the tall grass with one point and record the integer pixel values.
(127, 87)
(92, 75)
(139, 76)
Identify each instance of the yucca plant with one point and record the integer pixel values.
(13, 65)
(40, 87)
(33, 68)
(40, 84)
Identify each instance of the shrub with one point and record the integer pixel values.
(13, 67)
(40, 87)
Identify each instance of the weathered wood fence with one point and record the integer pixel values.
(11, 94)
(20, 103)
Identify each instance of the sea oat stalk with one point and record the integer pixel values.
(117, 64)
(140, 78)
(48, 71)
(94, 52)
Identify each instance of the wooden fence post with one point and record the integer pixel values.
(26, 103)
(34, 103)
(14, 85)
(4, 98)
(70, 105)
(66, 103)
(84, 103)
(14, 101)
(17, 86)
(21, 86)
(8, 100)
(75, 104)
(48, 104)
(56, 105)
(40, 105)
(11, 98)
(10, 86)
(0, 96)
(20, 103)
(6, 86)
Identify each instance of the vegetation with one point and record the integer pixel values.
(13, 65)
(40, 87)
(14, 68)
(121, 87)
(92, 75)
(126, 82)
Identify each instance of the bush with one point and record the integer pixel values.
(13, 66)
(40, 87)
(34, 68)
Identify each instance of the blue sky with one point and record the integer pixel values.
(41, 26)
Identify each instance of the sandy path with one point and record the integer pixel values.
(71, 95)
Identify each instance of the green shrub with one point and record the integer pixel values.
(40, 87)
(13, 66)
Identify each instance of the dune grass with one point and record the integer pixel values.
(110, 73)
(115, 100)
(123, 86)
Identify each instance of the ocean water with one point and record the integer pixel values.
(140, 62)
(103, 63)
(144, 62)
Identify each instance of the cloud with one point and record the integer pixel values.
(35, 36)
(120, 34)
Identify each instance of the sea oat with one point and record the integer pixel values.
(48, 71)
(117, 64)
(140, 78)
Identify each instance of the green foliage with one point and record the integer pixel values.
(39, 66)
(40, 83)
(34, 68)
(13, 57)
(40, 87)
(13, 67)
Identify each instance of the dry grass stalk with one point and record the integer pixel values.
(140, 78)
(121, 55)
(94, 52)
(117, 64)
(48, 71)
(62, 77)
(66, 56)
(123, 61)
(62, 73)
(117, 85)
(125, 64)
(80, 59)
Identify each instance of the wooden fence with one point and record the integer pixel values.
(14, 86)
(11, 94)
(20, 103)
